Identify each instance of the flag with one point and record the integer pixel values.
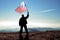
(21, 8)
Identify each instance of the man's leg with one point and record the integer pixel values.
(21, 28)
(26, 29)
(21, 37)
(27, 36)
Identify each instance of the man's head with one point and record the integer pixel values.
(22, 15)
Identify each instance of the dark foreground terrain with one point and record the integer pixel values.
(48, 35)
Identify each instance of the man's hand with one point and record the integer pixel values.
(27, 13)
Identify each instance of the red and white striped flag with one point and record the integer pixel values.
(21, 8)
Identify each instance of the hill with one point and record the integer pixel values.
(48, 35)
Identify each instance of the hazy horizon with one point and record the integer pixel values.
(33, 29)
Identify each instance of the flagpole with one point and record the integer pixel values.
(26, 7)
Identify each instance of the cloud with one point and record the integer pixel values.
(48, 10)
(44, 24)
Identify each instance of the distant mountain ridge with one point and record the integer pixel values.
(42, 29)
(31, 30)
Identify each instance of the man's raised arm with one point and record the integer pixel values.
(27, 15)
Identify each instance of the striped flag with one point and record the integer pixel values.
(21, 8)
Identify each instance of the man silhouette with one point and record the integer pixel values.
(22, 23)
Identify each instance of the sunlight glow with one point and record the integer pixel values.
(31, 24)
(49, 25)
(8, 23)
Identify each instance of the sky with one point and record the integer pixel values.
(42, 13)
